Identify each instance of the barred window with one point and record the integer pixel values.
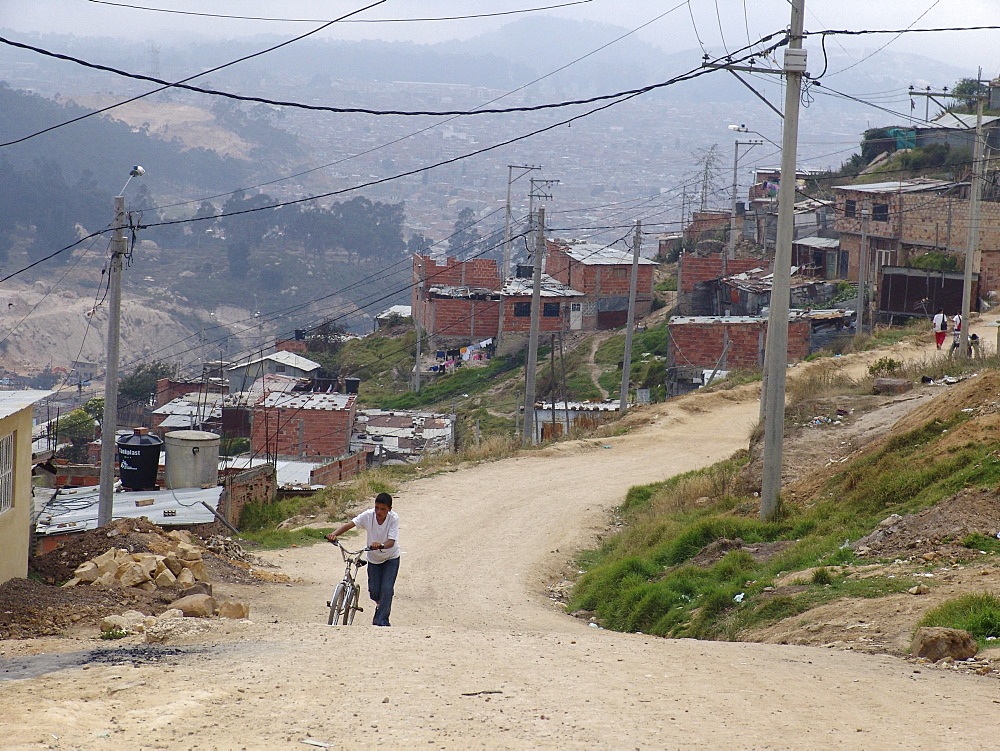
(522, 309)
(850, 209)
(880, 212)
(550, 310)
(6, 472)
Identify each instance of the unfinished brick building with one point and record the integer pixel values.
(459, 299)
(694, 277)
(909, 217)
(730, 342)
(302, 425)
(603, 276)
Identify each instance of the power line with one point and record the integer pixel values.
(167, 84)
(352, 20)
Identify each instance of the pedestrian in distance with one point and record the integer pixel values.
(940, 326)
(381, 524)
(957, 332)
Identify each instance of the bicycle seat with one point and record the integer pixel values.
(362, 562)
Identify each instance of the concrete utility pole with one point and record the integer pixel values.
(109, 423)
(864, 262)
(630, 324)
(505, 271)
(776, 349)
(731, 253)
(538, 190)
(528, 426)
(416, 366)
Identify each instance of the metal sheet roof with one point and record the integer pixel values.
(592, 254)
(282, 357)
(818, 242)
(12, 402)
(289, 472)
(76, 510)
(516, 287)
(901, 186)
(308, 400)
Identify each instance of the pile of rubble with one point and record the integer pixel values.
(181, 567)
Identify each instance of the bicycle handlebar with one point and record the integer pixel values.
(345, 551)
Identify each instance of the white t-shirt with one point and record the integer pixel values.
(940, 322)
(387, 530)
(957, 320)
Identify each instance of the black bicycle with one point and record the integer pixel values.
(344, 603)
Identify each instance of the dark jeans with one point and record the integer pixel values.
(381, 582)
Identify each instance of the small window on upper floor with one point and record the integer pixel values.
(7, 473)
(880, 212)
(850, 209)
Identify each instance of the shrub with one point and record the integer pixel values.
(979, 614)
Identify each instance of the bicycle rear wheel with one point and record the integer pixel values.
(352, 605)
(337, 604)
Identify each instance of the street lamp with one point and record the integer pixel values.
(109, 424)
(731, 251)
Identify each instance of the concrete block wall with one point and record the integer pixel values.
(702, 344)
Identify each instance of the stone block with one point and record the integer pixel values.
(198, 569)
(235, 610)
(106, 563)
(87, 572)
(171, 613)
(185, 578)
(892, 385)
(105, 580)
(148, 586)
(181, 535)
(131, 575)
(165, 578)
(936, 644)
(122, 556)
(197, 588)
(188, 552)
(114, 623)
(147, 561)
(195, 606)
(72, 582)
(172, 562)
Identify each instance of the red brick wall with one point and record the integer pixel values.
(522, 324)
(79, 475)
(702, 344)
(168, 390)
(310, 433)
(339, 469)
(461, 317)
(258, 485)
(695, 270)
(476, 272)
(297, 346)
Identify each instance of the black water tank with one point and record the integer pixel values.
(351, 385)
(138, 459)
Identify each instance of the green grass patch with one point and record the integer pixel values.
(642, 578)
(274, 539)
(979, 614)
(982, 542)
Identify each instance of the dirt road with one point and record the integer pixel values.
(478, 657)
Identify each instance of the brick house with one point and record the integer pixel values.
(695, 275)
(559, 305)
(302, 424)
(910, 217)
(459, 299)
(730, 342)
(603, 276)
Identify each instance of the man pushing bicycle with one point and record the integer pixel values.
(381, 524)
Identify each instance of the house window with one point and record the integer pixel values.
(550, 310)
(850, 209)
(880, 212)
(576, 307)
(621, 272)
(522, 309)
(279, 368)
(6, 473)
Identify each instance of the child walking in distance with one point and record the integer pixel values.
(940, 323)
(381, 524)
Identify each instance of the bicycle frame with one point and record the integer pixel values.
(344, 602)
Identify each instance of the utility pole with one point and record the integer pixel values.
(975, 198)
(864, 262)
(732, 216)
(528, 426)
(776, 349)
(416, 366)
(109, 423)
(630, 324)
(525, 169)
(538, 190)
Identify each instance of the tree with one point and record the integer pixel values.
(418, 244)
(238, 255)
(95, 408)
(967, 90)
(140, 386)
(79, 429)
(465, 240)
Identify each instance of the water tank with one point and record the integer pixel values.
(138, 459)
(192, 458)
(351, 385)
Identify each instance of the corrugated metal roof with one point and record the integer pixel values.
(76, 510)
(592, 254)
(282, 357)
(818, 242)
(957, 121)
(396, 310)
(308, 400)
(289, 472)
(901, 186)
(515, 287)
(12, 402)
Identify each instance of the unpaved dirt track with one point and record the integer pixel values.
(471, 616)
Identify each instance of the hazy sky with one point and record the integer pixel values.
(719, 23)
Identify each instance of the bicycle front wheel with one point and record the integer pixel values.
(337, 604)
(352, 605)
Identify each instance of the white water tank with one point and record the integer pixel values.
(192, 458)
